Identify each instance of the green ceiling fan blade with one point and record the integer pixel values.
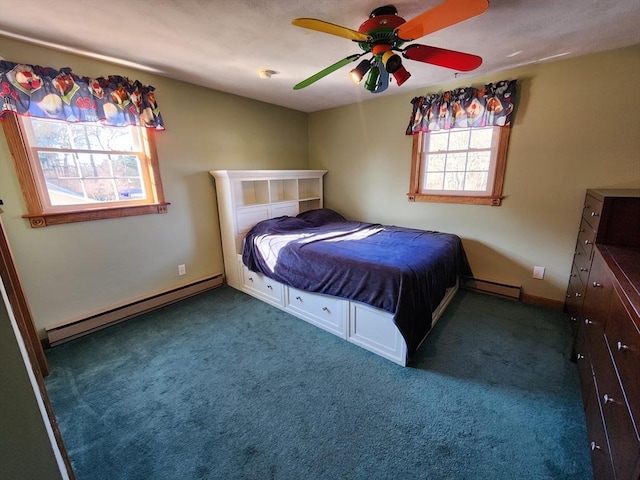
(327, 71)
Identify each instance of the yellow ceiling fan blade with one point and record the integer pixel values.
(326, 27)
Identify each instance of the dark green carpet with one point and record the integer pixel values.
(223, 386)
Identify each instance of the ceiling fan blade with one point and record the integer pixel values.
(327, 71)
(442, 57)
(447, 13)
(326, 27)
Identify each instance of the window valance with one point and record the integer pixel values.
(491, 105)
(45, 92)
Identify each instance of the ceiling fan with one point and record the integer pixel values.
(384, 34)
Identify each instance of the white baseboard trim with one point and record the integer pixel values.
(63, 333)
(492, 287)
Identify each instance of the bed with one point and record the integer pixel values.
(408, 273)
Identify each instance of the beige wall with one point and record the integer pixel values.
(592, 140)
(71, 271)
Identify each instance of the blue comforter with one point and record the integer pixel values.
(403, 271)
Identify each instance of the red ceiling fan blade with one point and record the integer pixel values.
(447, 13)
(442, 57)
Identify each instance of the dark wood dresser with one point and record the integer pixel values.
(603, 301)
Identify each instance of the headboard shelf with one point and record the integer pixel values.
(246, 197)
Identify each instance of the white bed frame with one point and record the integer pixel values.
(246, 197)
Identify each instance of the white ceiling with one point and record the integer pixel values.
(222, 44)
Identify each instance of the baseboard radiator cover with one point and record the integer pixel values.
(63, 333)
(492, 287)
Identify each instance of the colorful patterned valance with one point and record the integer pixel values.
(466, 107)
(44, 92)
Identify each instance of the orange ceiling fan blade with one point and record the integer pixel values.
(447, 13)
(326, 27)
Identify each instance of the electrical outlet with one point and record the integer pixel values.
(182, 269)
(538, 272)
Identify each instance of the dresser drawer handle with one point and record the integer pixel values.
(579, 356)
(573, 319)
(269, 287)
(578, 294)
(597, 285)
(577, 253)
(607, 399)
(251, 279)
(588, 322)
(299, 299)
(325, 309)
(582, 269)
(621, 346)
(595, 446)
(587, 242)
(594, 214)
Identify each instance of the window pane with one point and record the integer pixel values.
(456, 162)
(481, 137)
(58, 165)
(459, 139)
(435, 163)
(126, 166)
(94, 165)
(454, 181)
(102, 190)
(476, 181)
(130, 189)
(438, 141)
(434, 181)
(479, 161)
(51, 134)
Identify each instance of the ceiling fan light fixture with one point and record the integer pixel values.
(372, 79)
(401, 75)
(358, 73)
(391, 61)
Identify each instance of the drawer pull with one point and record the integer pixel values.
(573, 319)
(579, 356)
(582, 269)
(596, 285)
(568, 295)
(607, 399)
(594, 214)
(325, 309)
(578, 294)
(269, 287)
(299, 299)
(595, 446)
(588, 322)
(621, 346)
(577, 253)
(587, 242)
(251, 279)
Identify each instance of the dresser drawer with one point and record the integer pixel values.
(582, 263)
(598, 292)
(592, 211)
(586, 239)
(597, 437)
(583, 361)
(623, 338)
(575, 294)
(262, 287)
(328, 313)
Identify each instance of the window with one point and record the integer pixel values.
(72, 172)
(459, 165)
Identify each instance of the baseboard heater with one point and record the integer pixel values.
(77, 328)
(492, 287)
